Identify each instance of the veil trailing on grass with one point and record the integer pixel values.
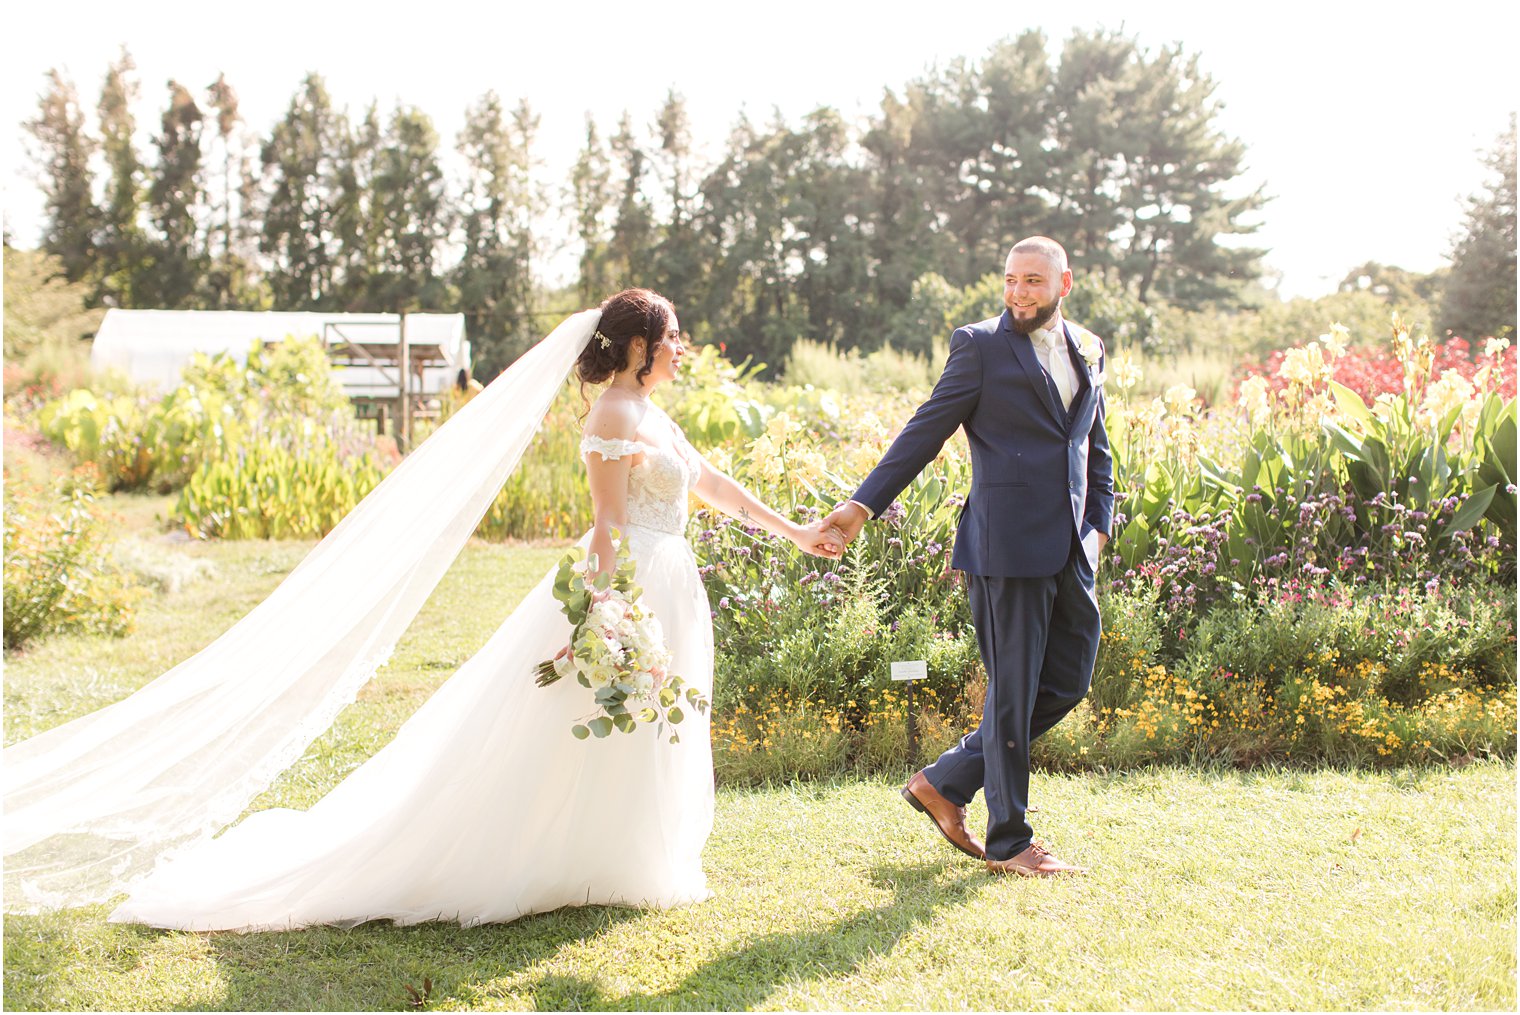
(92, 804)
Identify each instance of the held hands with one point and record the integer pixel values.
(845, 521)
(819, 543)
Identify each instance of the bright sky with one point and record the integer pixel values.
(1364, 120)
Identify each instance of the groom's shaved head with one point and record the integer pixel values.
(1046, 248)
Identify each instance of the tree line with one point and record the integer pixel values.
(823, 229)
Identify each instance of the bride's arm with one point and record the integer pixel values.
(608, 479)
(725, 494)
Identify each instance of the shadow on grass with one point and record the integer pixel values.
(369, 968)
(746, 976)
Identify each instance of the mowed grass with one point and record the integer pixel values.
(1316, 889)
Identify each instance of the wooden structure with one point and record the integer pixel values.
(394, 367)
(409, 369)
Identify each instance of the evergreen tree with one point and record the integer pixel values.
(123, 261)
(298, 237)
(494, 276)
(633, 228)
(744, 302)
(826, 256)
(62, 152)
(356, 216)
(1176, 169)
(591, 196)
(676, 267)
(228, 282)
(174, 202)
(412, 216)
(1480, 293)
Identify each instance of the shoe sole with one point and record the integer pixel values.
(1015, 872)
(920, 808)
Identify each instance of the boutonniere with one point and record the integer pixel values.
(1091, 350)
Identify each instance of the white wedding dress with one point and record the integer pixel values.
(484, 808)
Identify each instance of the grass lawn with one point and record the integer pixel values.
(1314, 889)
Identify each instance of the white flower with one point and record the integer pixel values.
(1252, 397)
(1451, 391)
(1304, 366)
(1089, 348)
(1336, 341)
(1179, 398)
(1494, 346)
(1126, 371)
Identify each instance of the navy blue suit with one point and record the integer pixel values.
(1041, 487)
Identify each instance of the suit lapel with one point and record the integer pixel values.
(1084, 375)
(1023, 352)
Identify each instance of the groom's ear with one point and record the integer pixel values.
(1066, 282)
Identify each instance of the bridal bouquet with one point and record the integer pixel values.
(617, 651)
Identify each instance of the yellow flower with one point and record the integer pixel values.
(1304, 366)
(765, 459)
(1179, 398)
(863, 459)
(1451, 391)
(1336, 341)
(1122, 371)
(1252, 399)
(781, 426)
(1385, 407)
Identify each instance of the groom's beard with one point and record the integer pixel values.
(1042, 315)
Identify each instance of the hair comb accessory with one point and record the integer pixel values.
(603, 339)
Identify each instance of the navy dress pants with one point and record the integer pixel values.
(1039, 640)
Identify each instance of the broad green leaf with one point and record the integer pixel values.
(1471, 510)
(1352, 405)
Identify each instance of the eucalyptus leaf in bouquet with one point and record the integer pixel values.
(616, 651)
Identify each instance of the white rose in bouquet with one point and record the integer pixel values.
(617, 651)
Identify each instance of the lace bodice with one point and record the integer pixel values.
(657, 486)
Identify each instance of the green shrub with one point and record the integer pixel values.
(282, 394)
(276, 491)
(1349, 676)
(59, 574)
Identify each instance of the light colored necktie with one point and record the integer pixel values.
(1060, 374)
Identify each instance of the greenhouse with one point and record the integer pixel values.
(152, 346)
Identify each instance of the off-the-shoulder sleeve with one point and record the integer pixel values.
(609, 448)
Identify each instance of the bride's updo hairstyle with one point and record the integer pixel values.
(632, 313)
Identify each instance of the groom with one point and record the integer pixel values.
(1027, 388)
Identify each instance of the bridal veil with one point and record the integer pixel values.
(92, 804)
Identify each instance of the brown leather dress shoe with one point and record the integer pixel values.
(1034, 862)
(948, 818)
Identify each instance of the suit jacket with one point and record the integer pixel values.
(1037, 471)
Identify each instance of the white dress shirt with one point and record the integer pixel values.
(1050, 349)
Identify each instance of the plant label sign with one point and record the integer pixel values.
(916, 669)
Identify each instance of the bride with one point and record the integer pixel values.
(483, 808)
